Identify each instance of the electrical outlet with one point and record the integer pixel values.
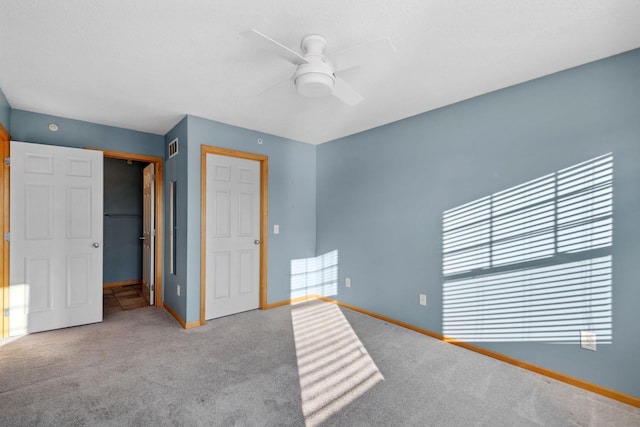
(588, 340)
(423, 299)
(276, 229)
(347, 282)
(178, 290)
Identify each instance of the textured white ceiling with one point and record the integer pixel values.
(144, 64)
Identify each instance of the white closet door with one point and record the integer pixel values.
(56, 237)
(233, 233)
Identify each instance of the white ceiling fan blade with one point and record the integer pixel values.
(277, 85)
(357, 55)
(273, 46)
(344, 92)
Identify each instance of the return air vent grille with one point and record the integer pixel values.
(173, 148)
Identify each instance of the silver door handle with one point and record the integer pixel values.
(257, 242)
(96, 245)
(141, 237)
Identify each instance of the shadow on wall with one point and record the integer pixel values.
(533, 262)
(315, 276)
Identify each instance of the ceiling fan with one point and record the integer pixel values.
(315, 75)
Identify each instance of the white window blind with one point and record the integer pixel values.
(532, 262)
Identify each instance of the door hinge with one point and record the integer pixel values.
(6, 312)
(7, 236)
(7, 161)
(153, 288)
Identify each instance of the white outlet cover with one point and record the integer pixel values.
(423, 299)
(347, 282)
(276, 229)
(588, 340)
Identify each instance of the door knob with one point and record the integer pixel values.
(257, 242)
(96, 245)
(141, 237)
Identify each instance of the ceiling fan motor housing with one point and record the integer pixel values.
(316, 78)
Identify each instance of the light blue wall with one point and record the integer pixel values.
(5, 111)
(381, 195)
(122, 249)
(291, 190)
(34, 127)
(176, 169)
(292, 201)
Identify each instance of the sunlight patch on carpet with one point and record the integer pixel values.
(333, 366)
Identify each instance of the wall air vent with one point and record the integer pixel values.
(173, 148)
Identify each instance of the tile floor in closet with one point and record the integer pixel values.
(122, 298)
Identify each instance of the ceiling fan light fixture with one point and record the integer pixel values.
(315, 75)
(315, 85)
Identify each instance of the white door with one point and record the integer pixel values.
(148, 234)
(56, 237)
(232, 233)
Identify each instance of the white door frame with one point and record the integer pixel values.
(264, 224)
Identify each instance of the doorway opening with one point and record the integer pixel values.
(123, 245)
(132, 273)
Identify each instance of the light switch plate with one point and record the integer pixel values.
(276, 229)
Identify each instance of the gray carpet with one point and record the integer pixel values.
(140, 368)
